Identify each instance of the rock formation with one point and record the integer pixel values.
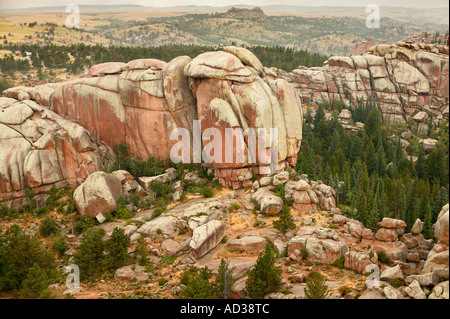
(400, 79)
(141, 102)
(39, 149)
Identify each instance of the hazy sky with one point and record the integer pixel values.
(153, 3)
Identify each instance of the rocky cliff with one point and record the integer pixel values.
(141, 102)
(400, 79)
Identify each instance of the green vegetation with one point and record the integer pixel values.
(198, 285)
(95, 255)
(264, 278)
(379, 180)
(383, 258)
(285, 222)
(48, 227)
(225, 280)
(207, 192)
(315, 286)
(134, 166)
(25, 266)
(396, 283)
(339, 263)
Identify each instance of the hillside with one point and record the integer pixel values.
(328, 34)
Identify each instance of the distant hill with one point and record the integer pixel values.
(422, 15)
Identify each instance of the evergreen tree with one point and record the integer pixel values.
(439, 202)
(373, 124)
(315, 286)
(117, 248)
(198, 285)
(428, 224)
(286, 222)
(430, 125)
(264, 278)
(90, 256)
(225, 279)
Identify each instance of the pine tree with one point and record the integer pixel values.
(430, 125)
(428, 224)
(90, 256)
(440, 200)
(117, 247)
(225, 279)
(264, 278)
(315, 286)
(198, 285)
(286, 222)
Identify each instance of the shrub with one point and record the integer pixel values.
(315, 286)
(19, 253)
(134, 166)
(198, 285)
(286, 222)
(162, 281)
(264, 278)
(345, 290)
(279, 191)
(90, 256)
(158, 211)
(304, 253)
(169, 260)
(339, 263)
(182, 232)
(36, 283)
(48, 227)
(396, 283)
(117, 248)
(216, 184)
(234, 207)
(40, 211)
(61, 246)
(207, 192)
(383, 258)
(84, 224)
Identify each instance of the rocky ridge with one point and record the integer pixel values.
(401, 79)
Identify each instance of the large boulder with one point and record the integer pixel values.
(387, 234)
(206, 237)
(321, 244)
(391, 223)
(162, 226)
(401, 79)
(248, 244)
(440, 291)
(271, 204)
(441, 226)
(415, 291)
(99, 194)
(358, 261)
(392, 273)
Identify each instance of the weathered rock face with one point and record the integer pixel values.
(438, 257)
(40, 149)
(206, 237)
(321, 244)
(400, 78)
(143, 101)
(359, 261)
(98, 194)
